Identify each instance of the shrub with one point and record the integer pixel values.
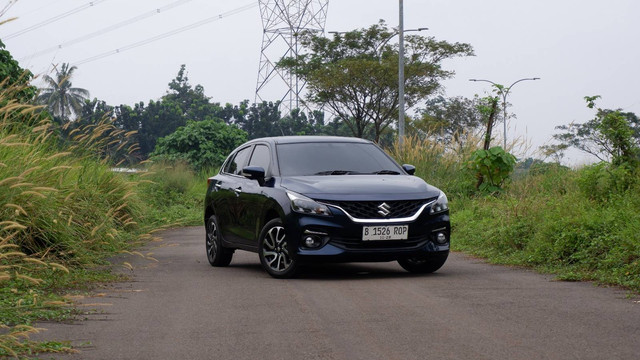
(602, 181)
(493, 166)
(202, 144)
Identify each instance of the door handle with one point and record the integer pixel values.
(237, 190)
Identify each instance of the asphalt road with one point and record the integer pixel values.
(182, 308)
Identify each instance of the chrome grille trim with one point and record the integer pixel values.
(383, 221)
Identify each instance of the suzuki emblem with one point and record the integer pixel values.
(385, 209)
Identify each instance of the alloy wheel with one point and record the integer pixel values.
(212, 239)
(275, 251)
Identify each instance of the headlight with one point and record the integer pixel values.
(441, 205)
(304, 205)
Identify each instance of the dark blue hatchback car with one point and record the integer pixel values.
(303, 199)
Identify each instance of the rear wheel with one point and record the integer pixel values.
(217, 254)
(424, 264)
(274, 252)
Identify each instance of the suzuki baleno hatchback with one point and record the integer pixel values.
(302, 199)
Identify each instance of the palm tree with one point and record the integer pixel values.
(62, 99)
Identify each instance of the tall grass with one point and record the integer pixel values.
(174, 193)
(61, 209)
(548, 222)
(57, 200)
(579, 224)
(442, 165)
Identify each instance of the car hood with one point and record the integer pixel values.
(360, 187)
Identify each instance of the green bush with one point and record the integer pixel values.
(602, 181)
(202, 144)
(493, 165)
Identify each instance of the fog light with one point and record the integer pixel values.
(441, 238)
(309, 241)
(314, 239)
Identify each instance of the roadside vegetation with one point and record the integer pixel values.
(581, 224)
(63, 211)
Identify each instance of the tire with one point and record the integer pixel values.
(274, 253)
(425, 264)
(217, 254)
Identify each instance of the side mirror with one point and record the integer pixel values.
(410, 169)
(254, 173)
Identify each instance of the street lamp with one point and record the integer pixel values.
(504, 92)
(401, 31)
(401, 75)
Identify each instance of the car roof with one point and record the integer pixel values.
(308, 139)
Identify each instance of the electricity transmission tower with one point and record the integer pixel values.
(282, 21)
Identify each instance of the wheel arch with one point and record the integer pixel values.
(208, 211)
(271, 211)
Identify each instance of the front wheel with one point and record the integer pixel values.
(424, 264)
(217, 254)
(274, 251)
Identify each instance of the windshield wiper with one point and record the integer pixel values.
(336, 172)
(387, 172)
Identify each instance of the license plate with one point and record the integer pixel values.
(389, 232)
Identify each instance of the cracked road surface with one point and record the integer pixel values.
(182, 308)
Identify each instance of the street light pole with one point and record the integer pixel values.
(401, 76)
(401, 99)
(504, 92)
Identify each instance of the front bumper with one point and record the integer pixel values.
(343, 241)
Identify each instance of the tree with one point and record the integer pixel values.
(613, 135)
(14, 78)
(233, 113)
(158, 119)
(202, 144)
(355, 74)
(449, 119)
(61, 98)
(490, 110)
(299, 123)
(91, 113)
(192, 100)
(181, 103)
(261, 120)
(264, 120)
(94, 111)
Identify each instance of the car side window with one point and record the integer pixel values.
(235, 165)
(261, 157)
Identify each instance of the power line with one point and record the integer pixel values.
(53, 19)
(167, 34)
(107, 29)
(628, 106)
(7, 7)
(49, 3)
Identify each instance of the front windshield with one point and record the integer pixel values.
(334, 158)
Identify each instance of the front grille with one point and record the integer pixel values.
(413, 242)
(370, 209)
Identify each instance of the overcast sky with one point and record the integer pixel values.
(577, 47)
